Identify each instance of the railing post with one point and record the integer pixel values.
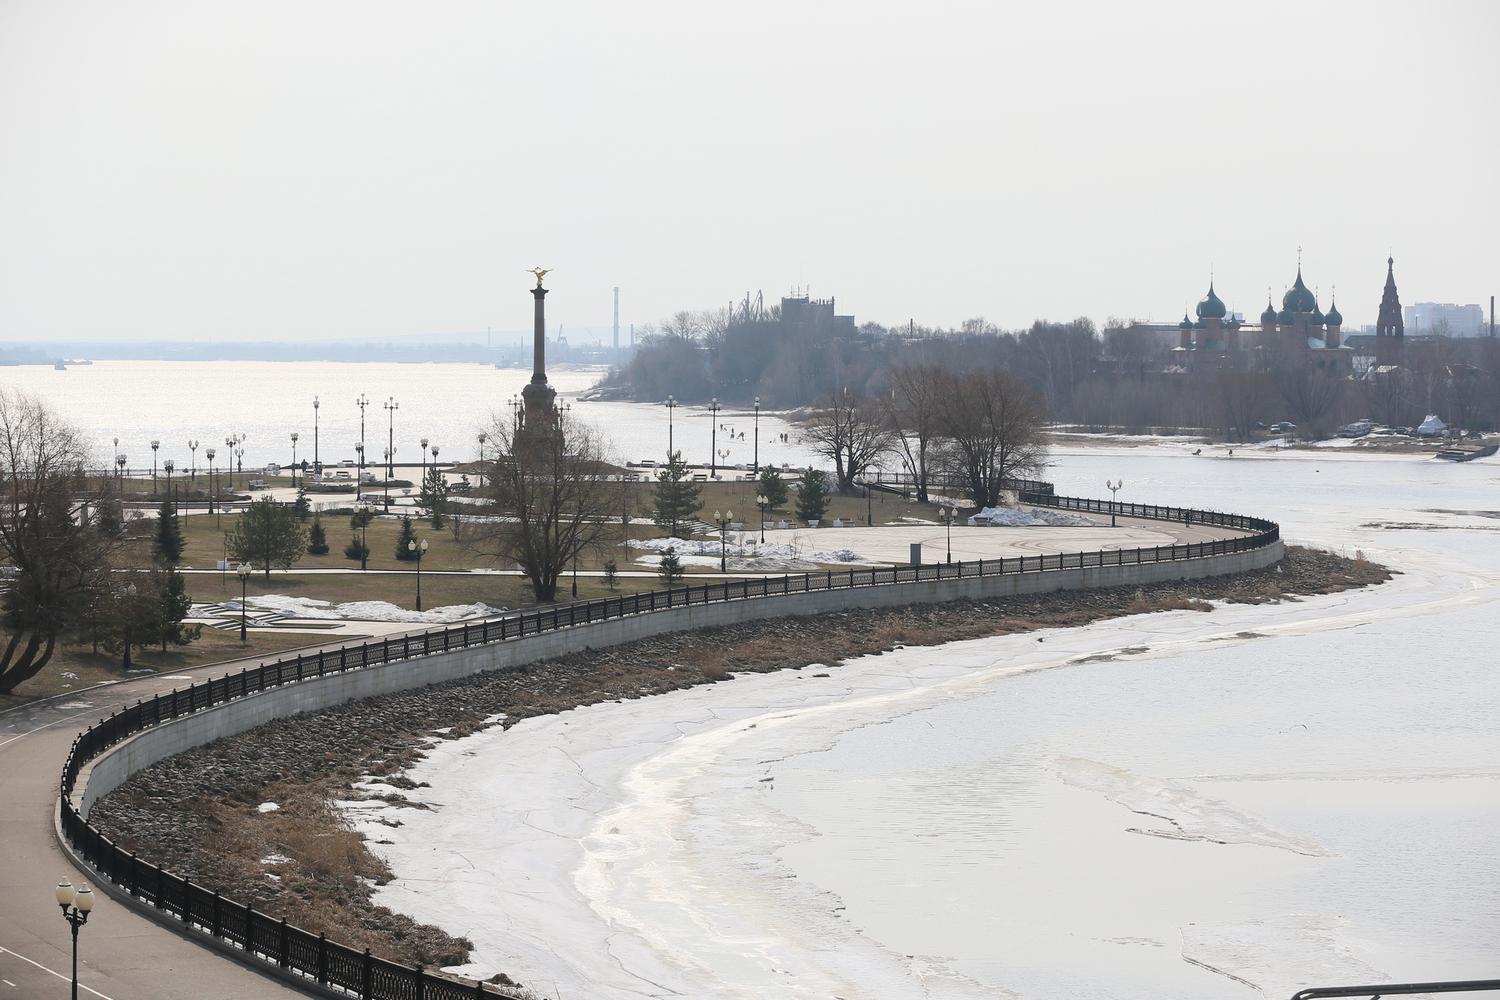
(366, 976)
(421, 983)
(322, 958)
(213, 916)
(282, 945)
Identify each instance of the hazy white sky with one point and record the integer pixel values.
(280, 170)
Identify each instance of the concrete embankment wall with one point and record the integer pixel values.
(115, 765)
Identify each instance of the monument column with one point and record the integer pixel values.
(538, 395)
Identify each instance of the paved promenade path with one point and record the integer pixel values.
(121, 955)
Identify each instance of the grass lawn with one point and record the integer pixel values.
(739, 497)
(92, 668)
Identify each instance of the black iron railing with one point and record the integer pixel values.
(1400, 989)
(318, 960)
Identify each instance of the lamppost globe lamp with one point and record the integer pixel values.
(420, 548)
(1114, 488)
(761, 501)
(76, 906)
(243, 571)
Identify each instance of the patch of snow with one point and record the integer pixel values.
(275, 859)
(68, 675)
(1011, 517)
(267, 807)
(376, 611)
(746, 555)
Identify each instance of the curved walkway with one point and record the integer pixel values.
(123, 955)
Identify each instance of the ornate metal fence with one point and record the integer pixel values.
(313, 957)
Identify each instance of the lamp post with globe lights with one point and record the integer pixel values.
(167, 466)
(120, 466)
(213, 507)
(359, 475)
(948, 514)
(317, 462)
(483, 437)
(243, 571)
(423, 453)
(154, 445)
(757, 436)
(761, 501)
(294, 459)
(76, 905)
(723, 523)
(671, 405)
(193, 448)
(713, 438)
(1114, 493)
(390, 406)
(420, 548)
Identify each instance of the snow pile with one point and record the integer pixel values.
(1010, 517)
(267, 807)
(773, 557)
(369, 611)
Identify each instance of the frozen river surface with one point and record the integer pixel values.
(1235, 804)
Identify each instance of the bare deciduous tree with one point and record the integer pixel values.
(912, 417)
(850, 431)
(993, 427)
(555, 495)
(61, 558)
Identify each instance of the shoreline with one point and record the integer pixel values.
(198, 814)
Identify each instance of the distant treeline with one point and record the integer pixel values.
(1080, 374)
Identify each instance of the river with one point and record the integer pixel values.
(1235, 804)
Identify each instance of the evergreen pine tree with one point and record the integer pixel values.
(772, 487)
(434, 497)
(167, 546)
(611, 573)
(317, 540)
(356, 549)
(670, 569)
(267, 533)
(175, 605)
(812, 495)
(302, 507)
(404, 539)
(676, 496)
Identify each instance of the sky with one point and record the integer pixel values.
(308, 171)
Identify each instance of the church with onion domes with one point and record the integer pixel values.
(1299, 331)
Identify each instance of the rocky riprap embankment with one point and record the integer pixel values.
(200, 814)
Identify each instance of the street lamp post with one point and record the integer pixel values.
(389, 452)
(713, 440)
(243, 571)
(154, 445)
(671, 405)
(229, 459)
(1114, 493)
(213, 507)
(294, 458)
(760, 501)
(120, 465)
(723, 523)
(420, 548)
(76, 905)
(359, 475)
(757, 436)
(364, 536)
(193, 447)
(948, 514)
(423, 481)
(483, 437)
(317, 462)
(239, 458)
(362, 402)
(390, 406)
(869, 508)
(168, 466)
(724, 457)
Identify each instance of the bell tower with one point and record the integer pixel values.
(1389, 330)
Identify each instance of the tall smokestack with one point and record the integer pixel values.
(617, 317)
(632, 336)
(1492, 315)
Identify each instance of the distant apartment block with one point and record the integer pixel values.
(1446, 318)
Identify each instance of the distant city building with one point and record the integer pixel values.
(1445, 318)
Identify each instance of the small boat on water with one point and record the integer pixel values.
(1467, 454)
